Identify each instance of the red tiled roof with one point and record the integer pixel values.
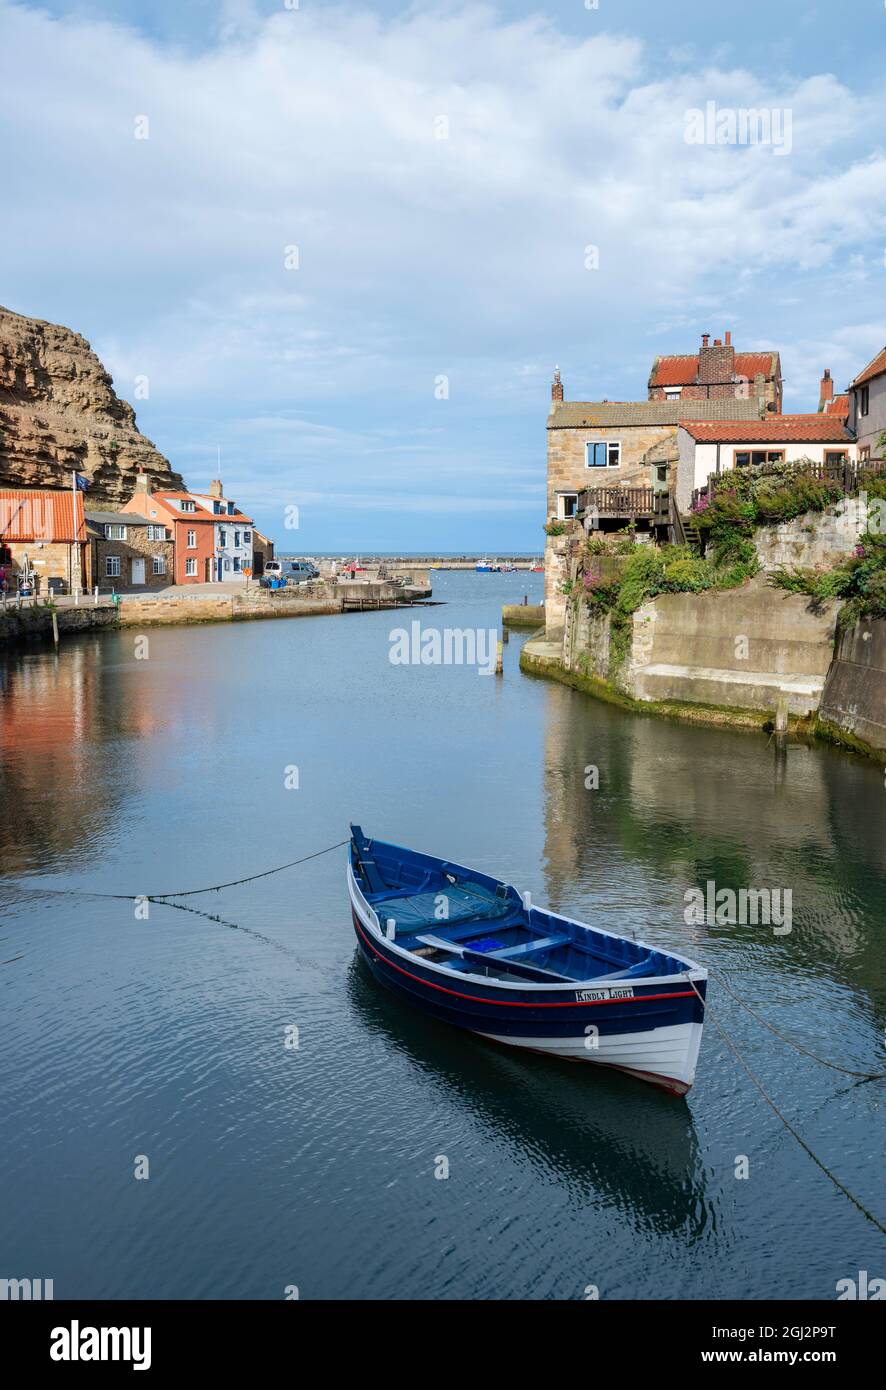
(683, 370)
(838, 406)
(170, 498)
(875, 368)
(809, 429)
(41, 515)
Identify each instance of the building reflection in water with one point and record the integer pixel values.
(679, 805)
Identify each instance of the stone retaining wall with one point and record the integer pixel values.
(854, 699)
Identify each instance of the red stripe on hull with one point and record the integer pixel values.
(515, 1003)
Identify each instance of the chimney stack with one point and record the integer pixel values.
(556, 386)
(215, 488)
(142, 482)
(826, 389)
(716, 361)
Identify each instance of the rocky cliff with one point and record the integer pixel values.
(59, 411)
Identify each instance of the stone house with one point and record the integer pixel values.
(262, 552)
(46, 528)
(127, 551)
(718, 372)
(709, 447)
(867, 408)
(613, 448)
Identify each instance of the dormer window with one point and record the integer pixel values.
(231, 509)
(218, 508)
(188, 506)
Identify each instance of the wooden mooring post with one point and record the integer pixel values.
(55, 627)
(781, 716)
(499, 659)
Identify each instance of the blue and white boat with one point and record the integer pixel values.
(485, 567)
(472, 951)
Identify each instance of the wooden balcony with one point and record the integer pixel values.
(625, 504)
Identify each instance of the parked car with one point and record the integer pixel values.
(300, 571)
(281, 572)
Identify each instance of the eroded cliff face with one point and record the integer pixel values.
(59, 411)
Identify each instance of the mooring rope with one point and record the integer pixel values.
(158, 897)
(856, 1202)
(824, 1061)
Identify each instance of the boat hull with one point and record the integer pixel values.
(654, 1033)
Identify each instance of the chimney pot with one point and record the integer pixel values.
(705, 339)
(718, 342)
(556, 386)
(826, 389)
(728, 338)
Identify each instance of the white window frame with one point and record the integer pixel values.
(609, 445)
(192, 540)
(562, 514)
(158, 564)
(115, 531)
(673, 393)
(188, 506)
(190, 569)
(112, 566)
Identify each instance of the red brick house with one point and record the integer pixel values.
(718, 372)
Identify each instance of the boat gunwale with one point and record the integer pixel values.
(692, 971)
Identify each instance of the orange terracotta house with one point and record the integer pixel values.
(193, 530)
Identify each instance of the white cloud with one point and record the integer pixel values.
(417, 256)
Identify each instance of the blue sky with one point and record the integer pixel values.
(420, 257)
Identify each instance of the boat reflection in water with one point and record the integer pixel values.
(612, 1143)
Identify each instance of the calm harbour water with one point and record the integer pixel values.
(315, 1167)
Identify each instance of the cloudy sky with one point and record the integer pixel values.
(441, 170)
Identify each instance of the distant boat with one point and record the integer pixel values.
(484, 567)
(507, 568)
(470, 950)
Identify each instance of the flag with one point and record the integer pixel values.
(80, 482)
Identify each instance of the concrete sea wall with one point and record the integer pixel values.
(853, 705)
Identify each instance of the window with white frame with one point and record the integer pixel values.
(603, 453)
(236, 564)
(190, 568)
(187, 506)
(158, 564)
(115, 532)
(222, 539)
(112, 566)
(247, 537)
(673, 393)
(567, 505)
(156, 533)
(192, 540)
